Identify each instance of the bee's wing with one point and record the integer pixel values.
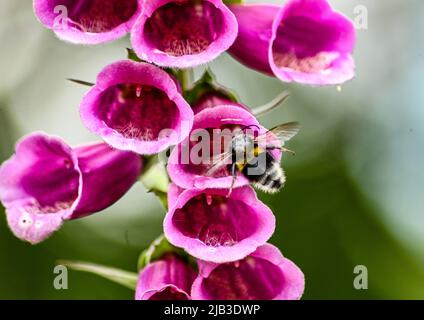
(279, 135)
(218, 162)
(286, 131)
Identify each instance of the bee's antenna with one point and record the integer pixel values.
(288, 151)
(260, 111)
(249, 126)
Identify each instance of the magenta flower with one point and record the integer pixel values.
(263, 275)
(137, 106)
(188, 169)
(47, 182)
(211, 226)
(88, 21)
(303, 41)
(169, 278)
(183, 33)
(213, 99)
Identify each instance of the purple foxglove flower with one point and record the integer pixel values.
(138, 107)
(186, 170)
(88, 21)
(213, 99)
(169, 278)
(211, 226)
(263, 275)
(305, 41)
(183, 33)
(47, 182)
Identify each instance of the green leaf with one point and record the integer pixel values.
(155, 179)
(233, 1)
(205, 85)
(132, 55)
(158, 249)
(155, 251)
(122, 277)
(185, 78)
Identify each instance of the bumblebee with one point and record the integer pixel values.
(253, 157)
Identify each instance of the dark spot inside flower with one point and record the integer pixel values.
(306, 45)
(67, 163)
(184, 27)
(249, 279)
(138, 111)
(216, 220)
(169, 293)
(98, 16)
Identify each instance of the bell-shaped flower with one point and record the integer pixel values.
(47, 182)
(263, 275)
(169, 278)
(88, 21)
(212, 226)
(305, 41)
(138, 107)
(182, 34)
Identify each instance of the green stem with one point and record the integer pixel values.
(126, 278)
(185, 77)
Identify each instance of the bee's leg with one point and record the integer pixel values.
(280, 148)
(234, 175)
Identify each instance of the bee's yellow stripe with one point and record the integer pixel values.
(240, 166)
(257, 151)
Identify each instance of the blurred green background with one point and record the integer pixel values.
(354, 195)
